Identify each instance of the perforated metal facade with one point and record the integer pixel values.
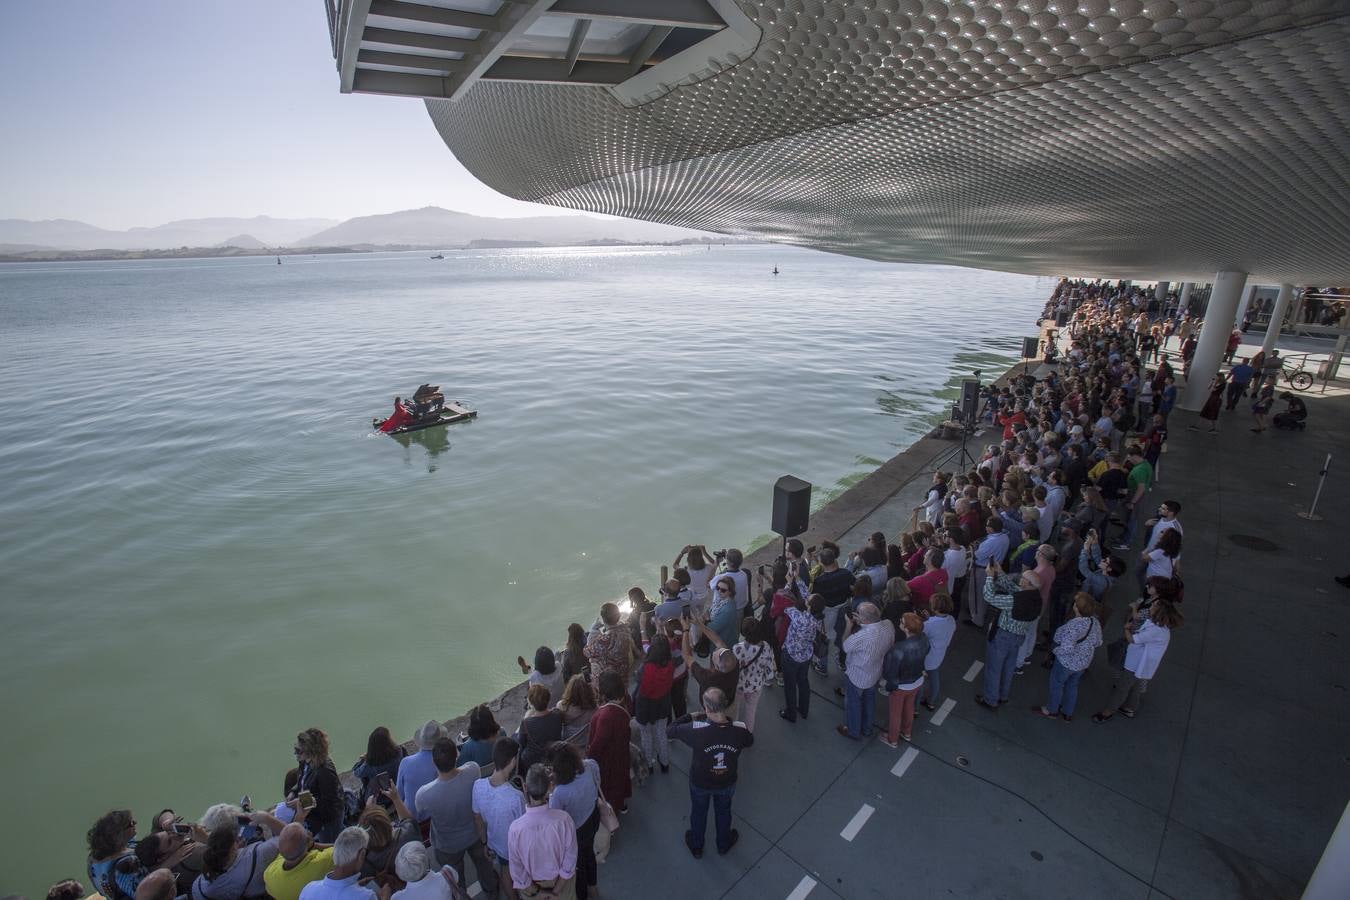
(1139, 138)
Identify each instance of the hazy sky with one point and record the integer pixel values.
(137, 112)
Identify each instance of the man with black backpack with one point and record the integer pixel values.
(1019, 603)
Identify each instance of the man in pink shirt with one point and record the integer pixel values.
(542, 844)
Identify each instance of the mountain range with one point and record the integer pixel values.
(429, 226)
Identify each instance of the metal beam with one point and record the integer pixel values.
(648, 46)
(675, 13)
(512, 21)
(351, 29)
(408, 60)
(436, 15)
(545, 71)
(399, 84)
(417, 39)
(579, 30)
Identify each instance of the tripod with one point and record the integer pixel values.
(964, 456)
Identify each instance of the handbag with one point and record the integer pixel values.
(1115, 654)
(609, 819)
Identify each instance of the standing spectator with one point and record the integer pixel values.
(903, 671)
(413, 867)
(1018, 602)
(803, 627)
(483, 732)
(539, 727)
(1045, 571)
(114, 869)
(1074, 644)
(835, 586)
(419, 769)
(756, 668)
(1262, 405)
(298, 862)
(931, 507)
(934, 576)
(723, 672)
(1144, 649)
(573, 661)
(382, 757)
(576, 788)
(576, 706)
(1210, 411)
(1239, 379)
(867, 640)
(542, 843)
(1270, 368)
(319, 776)
(700, 573)
(546, 671)
(724, 616)
(349, 854)
(496, 804)
(1137, 484)
(610, 741)
(993, 549)
(655, 679)
(939, 627)
(717, 743)
(448, 803)
(610, 646)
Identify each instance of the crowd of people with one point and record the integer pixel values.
(1024, 546)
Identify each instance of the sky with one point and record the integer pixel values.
(137, 112)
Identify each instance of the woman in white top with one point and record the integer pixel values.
(1164, 560)
(939, 626)
(700, 573)
(1144, 649)
(413, 867)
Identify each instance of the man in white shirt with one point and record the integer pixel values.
(994, 548)
(867, 640)
(349, 853)
(1167, 518)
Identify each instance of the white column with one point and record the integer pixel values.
(1160, 292)
(1277, 316)
(1219, 318)
(1184, 298)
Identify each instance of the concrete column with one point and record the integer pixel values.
(1160, 292)
(1219, 319)
(1277, 316)
(1184, 298)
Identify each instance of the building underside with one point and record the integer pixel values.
(1128, 138)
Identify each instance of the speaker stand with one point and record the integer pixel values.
(964, 455)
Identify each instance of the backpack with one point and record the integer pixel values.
(1026, 606)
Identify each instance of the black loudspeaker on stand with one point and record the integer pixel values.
(791, 507)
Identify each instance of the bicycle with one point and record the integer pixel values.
(1298, 379)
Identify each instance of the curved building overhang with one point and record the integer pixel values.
(1135, 138)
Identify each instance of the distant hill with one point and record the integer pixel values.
(68, 234)
(244, 242)
(432, 226)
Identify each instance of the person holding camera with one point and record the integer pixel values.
(867, 640)
(1018, 601)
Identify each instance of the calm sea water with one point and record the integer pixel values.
(206, 549)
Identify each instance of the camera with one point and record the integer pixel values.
(719, 555)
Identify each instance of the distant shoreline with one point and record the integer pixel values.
(231, 252)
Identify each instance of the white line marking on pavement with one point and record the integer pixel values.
(974, 670)
(803, 888)
(944, 711)
(901, 766)
(856, 823)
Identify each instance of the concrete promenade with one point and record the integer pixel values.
(1227, 784)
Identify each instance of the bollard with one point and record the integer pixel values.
(1311, 515)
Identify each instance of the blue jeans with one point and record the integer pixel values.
(796, 687)
(1001, 657)
(698, 815)
(1063, 689)
(932, 687)
(859, 706)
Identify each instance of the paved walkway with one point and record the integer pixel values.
(1227, 784)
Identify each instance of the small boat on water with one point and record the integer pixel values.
(427, 409)
(447, 415)
(438, 256)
